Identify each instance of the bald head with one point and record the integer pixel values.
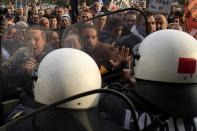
(44, 22)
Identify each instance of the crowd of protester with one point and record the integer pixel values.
(98, 37)
(34, 31)
(112, 29)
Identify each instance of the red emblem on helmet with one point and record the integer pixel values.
(187, 65)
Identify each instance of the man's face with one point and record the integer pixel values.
(36, 41)
(28, 4)
(20, 10)
(35, 19)
(47, 12)
(60, 12)
(42, 7)
(66, 11)
(24, 18)
(53, 23)
(10, 23)
(54, 40)
(45, 23)
(100, 23)
(65, 22)
(86, 15)
(130, 20)
(90, 37)
(20, 34)
(161, 22)
(34, 4)
(102, 20)
(116, 32)
(151, 24)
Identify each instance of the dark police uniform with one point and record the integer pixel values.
(118, 117)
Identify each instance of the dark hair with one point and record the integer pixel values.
(53, 16)
(113, 22)
(131, 12)
(87, 26)
(86, 10)
(61, 7)
(3, 10)
(140, 16)
(179, 13)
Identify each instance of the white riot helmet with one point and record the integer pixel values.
(66, 72)
(166, 72)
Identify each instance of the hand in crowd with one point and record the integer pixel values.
(121, 57)
(30, 64)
